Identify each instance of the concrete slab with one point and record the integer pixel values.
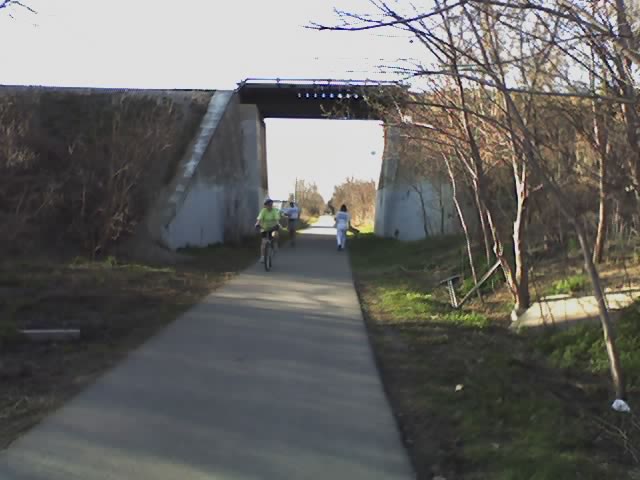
(52, 335)
(271, 377)
(564, 311)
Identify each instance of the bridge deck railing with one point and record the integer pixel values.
(305, 82)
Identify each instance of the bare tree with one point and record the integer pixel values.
(83, 183)
(360, 198)
(9, 4)
(492, 65)
(309, 198)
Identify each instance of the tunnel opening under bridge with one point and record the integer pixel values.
(228, 164)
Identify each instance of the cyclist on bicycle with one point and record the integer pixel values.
(269, 223)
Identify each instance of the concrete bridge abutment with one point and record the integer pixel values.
(411, 203)
(222, 179)
(220, 183)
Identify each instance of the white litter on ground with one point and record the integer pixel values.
(621, 406)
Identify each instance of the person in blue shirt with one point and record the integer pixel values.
(293, 214)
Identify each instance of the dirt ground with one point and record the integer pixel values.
(116, 307)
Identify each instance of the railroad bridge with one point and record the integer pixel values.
(222, 179)
(312, 99)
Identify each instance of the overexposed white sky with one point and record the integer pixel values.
(212, 44)
(324, 151)
(184, 43)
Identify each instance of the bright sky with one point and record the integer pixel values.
(210, 44)
(324, 151)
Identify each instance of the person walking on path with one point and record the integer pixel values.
(343, 221)
(293, 214)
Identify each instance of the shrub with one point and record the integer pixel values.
(81, 169)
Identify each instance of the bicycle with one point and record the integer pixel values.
(269, 251)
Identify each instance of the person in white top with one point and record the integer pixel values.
(343, 221)
(293, 214)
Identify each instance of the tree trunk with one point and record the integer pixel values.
(601, 139)
(476, 157)
(425, 218)
(463, 223)
(598, 250)
(564, 205)
(520, 297)
(441, 205)
(523, 298)
(605, 319)
(483, 226)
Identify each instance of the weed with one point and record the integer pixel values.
(572, 246)
(570, 285)
(405, 304)
(376, 254)
(491, 285)
(582, 347)
(110, 261)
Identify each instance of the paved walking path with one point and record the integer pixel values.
(271, 377)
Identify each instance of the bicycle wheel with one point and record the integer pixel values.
(267, 256)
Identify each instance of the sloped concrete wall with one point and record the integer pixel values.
(217, 194)
(407, 207)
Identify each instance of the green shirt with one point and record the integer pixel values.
(268, 219)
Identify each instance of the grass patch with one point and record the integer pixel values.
(410, 305)
(473, 400)
(582, 347)
(491, 285)
(383, 254)
(570, 285)
(368, 228)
